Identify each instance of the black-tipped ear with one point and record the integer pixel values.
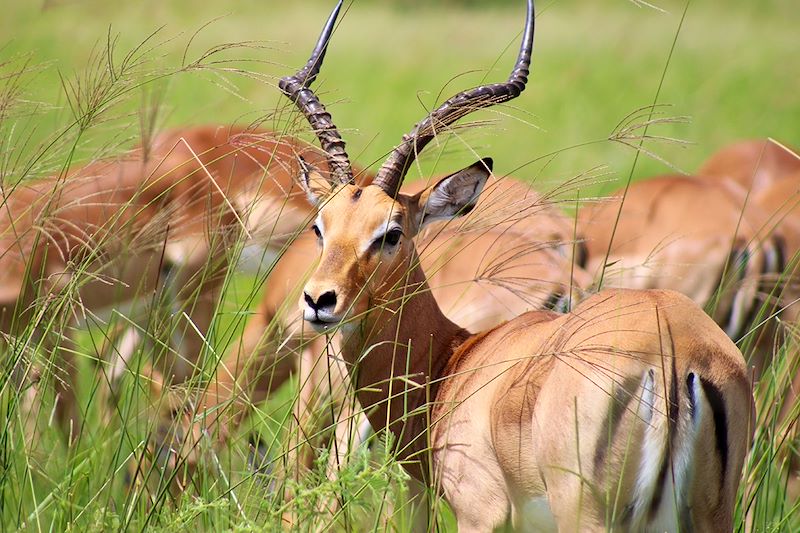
(315, 185)
(454, 195)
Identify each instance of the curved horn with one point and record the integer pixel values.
(296, 87)
(391, 174)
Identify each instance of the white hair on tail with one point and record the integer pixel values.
(671, 506)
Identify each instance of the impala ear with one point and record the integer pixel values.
(315, 185)
(454, 195)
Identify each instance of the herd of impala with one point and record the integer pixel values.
(549, 370)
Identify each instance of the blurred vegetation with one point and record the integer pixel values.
(595, 63)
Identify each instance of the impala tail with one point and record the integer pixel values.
(662, 484)
(685, 451)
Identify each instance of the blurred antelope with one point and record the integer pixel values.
(632, 411)
(771, 173)
(116, 231)
(782, 201)
(754, 164)
(690, 235)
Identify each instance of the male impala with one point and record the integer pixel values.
(508, 256)
(631, 412)
(112, 232)
(480, 277)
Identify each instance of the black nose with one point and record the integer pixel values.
(327, 299)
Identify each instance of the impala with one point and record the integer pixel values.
(754, 164)
(115, 231)
(771, 172)
(631, 411)
(690, 235)
(479, 276)
(781, 200)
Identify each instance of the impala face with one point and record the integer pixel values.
(365, 232)
(366, 240)
(364, 235)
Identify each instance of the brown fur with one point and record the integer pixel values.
(679, 233)
(782, 201)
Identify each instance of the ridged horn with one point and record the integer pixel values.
(394, 169)
(296, 87)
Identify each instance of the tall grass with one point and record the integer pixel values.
(73, 90)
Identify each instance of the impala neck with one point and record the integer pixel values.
(397, 354)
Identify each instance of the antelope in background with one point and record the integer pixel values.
(115, 231)
(713, 237)
(508, 418)
(685, 234)
(754, 164)
(771, 173)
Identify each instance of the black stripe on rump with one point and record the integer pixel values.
(714, 395)
(737, 263)
(581, 254)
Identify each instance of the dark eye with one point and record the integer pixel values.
(317, 232)
(393, 237)
(387, 240)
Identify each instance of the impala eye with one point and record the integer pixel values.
(389, 239)
(317, 232)
(393, 237)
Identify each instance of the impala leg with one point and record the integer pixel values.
(124, 350)
(248, 373)
(25, 378)
(350, 431)
(299, 455)
(245, 377)
(19, 346)
(347, 421)
(122, 345)
(348, 418)
(477, 510)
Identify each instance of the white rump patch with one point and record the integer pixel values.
(654, 448)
